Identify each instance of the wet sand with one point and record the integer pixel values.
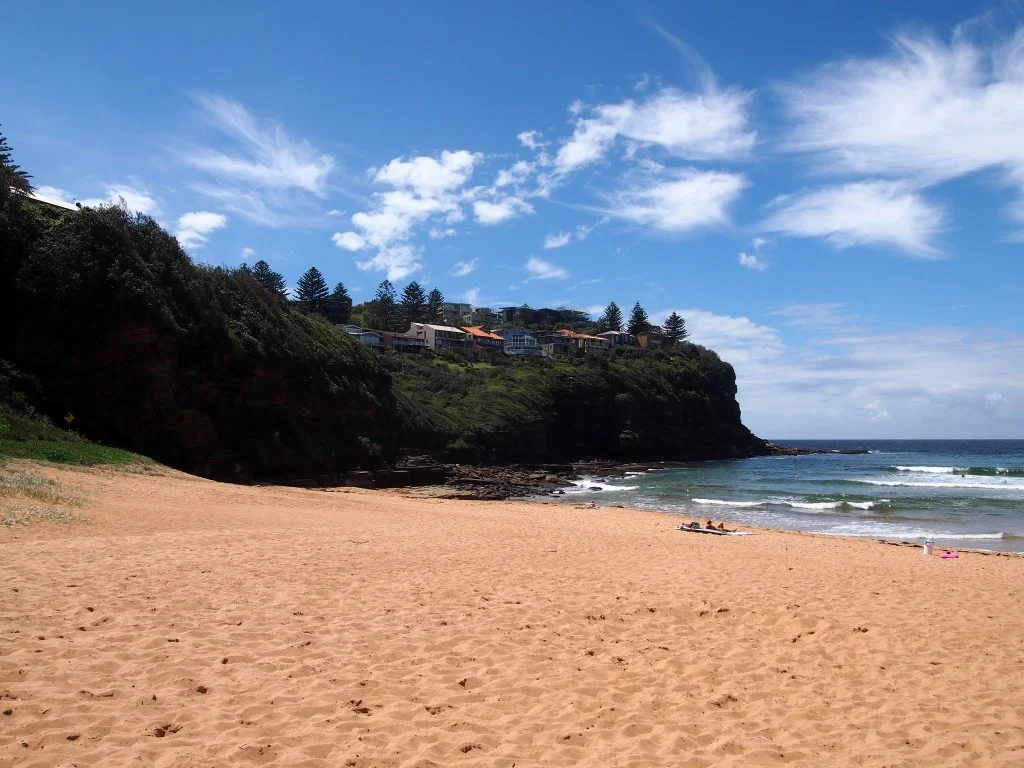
(191, 623)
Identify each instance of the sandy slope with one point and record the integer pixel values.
(198, 624)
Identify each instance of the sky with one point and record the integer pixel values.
(830, 194)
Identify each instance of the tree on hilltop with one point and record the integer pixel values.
(12, 178)
(312, 291)
(339, 305)
(385, 310)
(435, 306)
(272, 282)
(639, 323)
(413, 306)
(675, 330)
(611, 320)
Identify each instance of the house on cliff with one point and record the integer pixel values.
(440, 337)
(485, 341)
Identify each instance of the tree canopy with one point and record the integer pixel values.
(272, 282)
(675, 330)
(312, 291)
(435, 306)
(413, 306)
(611, 320)
(639, 323)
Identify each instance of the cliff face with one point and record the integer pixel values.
(630, 406)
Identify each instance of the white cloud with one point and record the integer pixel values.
(472, 296)
(677, 199)
(437, 233)
(266, 156)
(349, 241)
(857, 382)
(263, 173)
(712, 124)
(531, 139)
(137, 199)
(428, 176)
(515, 176)
(501, 210)
(335, 212)
(397, 261)
(926, 111)
(194, 228)
(860, 213)
(463, 268)
(248, 253)
(752, 261)
(55, 193)
(557, 241)
(544, 270)
(422, 189)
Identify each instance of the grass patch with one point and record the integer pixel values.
(29, 436)
(81, 453)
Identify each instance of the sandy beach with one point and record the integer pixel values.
(189, 623)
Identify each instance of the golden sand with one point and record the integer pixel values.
(191, 623)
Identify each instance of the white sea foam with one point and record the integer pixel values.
(953, 482)
(588, 485)
(888, 530)
(930, 470)
(809, 505)
(721, 503)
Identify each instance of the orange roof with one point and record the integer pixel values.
(480, 333)
(575, 335)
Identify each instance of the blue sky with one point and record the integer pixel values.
(833, 197)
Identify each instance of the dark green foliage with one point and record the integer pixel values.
(611, 320)
(675, 330)
(638, 321)
(338, 309)
(549, 319)
(435, 306)
(13, 180)
(413, 306)
(272, 282)
(312, 292)
(385, 308)
(629, 405)
(199, 368)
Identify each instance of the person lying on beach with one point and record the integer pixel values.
(709, 525)
(721, 526)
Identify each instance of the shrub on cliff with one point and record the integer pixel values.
(197, 367)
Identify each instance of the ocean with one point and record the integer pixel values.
(960, 493)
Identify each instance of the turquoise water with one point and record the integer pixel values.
(967, 493)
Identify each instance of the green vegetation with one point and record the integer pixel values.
(629, 405)
(204, 369)
(214, 371)
(611, 320)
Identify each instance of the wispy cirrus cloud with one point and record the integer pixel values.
(463, 268)
(860, 213)
(258, 170)
(675, 200)
(924, 112)
(708, 125)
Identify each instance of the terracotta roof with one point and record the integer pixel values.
(480, 333)
(574, 335)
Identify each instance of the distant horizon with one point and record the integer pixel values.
(824, 205)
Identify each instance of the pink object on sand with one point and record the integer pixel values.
(949, 555)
